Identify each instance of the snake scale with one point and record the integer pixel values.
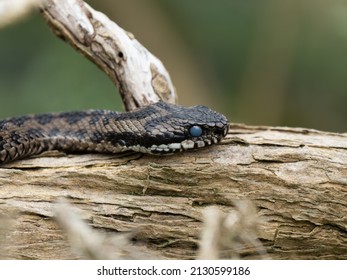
(160, 128)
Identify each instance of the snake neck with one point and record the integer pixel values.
(72, 132)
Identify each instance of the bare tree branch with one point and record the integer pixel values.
(140, 77)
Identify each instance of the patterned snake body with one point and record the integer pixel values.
(159, 128)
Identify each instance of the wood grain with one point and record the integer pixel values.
(297, 179)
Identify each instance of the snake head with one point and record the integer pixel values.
(171, 128)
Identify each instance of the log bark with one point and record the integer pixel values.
(297, 179)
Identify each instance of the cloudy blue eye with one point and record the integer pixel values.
(195, 131)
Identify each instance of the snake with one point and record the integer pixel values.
(159, 128)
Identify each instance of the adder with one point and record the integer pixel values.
(160, 128)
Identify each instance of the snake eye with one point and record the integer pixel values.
(195, 131)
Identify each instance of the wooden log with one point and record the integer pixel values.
(297, 179)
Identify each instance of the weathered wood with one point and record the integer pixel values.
(297, 178)
(141, 78)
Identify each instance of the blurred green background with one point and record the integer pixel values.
(265, 62)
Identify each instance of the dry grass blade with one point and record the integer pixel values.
(89, 243)
(227, 235)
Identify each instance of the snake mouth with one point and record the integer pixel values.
(182, 146)
(175, 147)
